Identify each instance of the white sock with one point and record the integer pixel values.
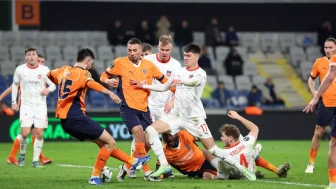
(156, 145)
(37, 149)
(132, 146)
(19, 137)
(23, 145)
(224, 155)
(332, 185)
(215, 163)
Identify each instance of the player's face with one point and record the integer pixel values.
(226, 140)
(134, 52)
(164, 51)
(329, 48)
(171, 140)
(31, 58)
(143, 54)
(190, 59)
(40, 60)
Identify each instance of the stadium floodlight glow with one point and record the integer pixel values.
(55, 130)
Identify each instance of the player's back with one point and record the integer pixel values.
(72, 89)
(169, 67)
(188, 99)
(187, 156)
(244, 152)
(320, 68)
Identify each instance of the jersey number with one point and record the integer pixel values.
(204, 128)
(243, 160)
(63, 93)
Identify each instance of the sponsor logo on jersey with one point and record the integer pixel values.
(39, 76)
(67, 74)
(144, 71)
(187, 147)
(191, 76)
(168, 73)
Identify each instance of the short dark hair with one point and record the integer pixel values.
(192, 48)
(230, 130)
(40, 56)
(30, 49)
(146, 47)
(331, 39)
(83, 53)
(134, 41)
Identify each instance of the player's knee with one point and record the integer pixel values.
(319, 132)
(25, 133)
(150, 131)
(110, 144)
(332, 143)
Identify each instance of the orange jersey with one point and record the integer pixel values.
(188, 156)
(125, 70)
(72, 85)
(320, 69)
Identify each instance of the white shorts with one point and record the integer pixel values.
(156, 113)
(34, 115)
(195, 126)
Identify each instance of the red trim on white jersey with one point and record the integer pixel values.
(32, 67)
(161, 61)
(193, 69)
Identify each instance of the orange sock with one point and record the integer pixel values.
(15, 148)
(122, 156)
(41, 154)
(312, 154)
(139, 151)
(332, 175)
(265, 164)
(102, 158)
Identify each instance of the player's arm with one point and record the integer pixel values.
(196, 80)
(53, 76)
(6, 93)
(157, 87)
(113, 69)
(313, 74)
(254, 129)
(15, 85)
(327, 81)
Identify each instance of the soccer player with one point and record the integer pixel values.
(73, 83)
(16, 145)
(327, 104)
(134, 106)
(146, 49)
(33, 109)
(327, 82)
(188, 112)
(184, 155)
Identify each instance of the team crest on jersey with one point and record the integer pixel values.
(191, 76)
(168, 73)
(187, 147)
(39, 76)
(112, 65)
(246, 138)
(67, 74)
(144, 71)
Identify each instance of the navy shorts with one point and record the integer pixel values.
(82, 128)
(206, 167)
(324, 116)
(133, 117)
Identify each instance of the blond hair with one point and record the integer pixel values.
(165, 40)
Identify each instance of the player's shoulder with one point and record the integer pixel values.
(333, 59)
(120, 59)
(22, 66)
(150, 57)
(321, 60)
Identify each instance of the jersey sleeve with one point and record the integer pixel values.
(315, 72)
(87, 78)
(249, 140)
(16, 78)
(53, 75)
(114, 68)
(157, 74)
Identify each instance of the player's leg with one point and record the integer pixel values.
(15, 148)
(40, 123)
(332, 157)
(281, 171)
(26, 120)
(323, 117)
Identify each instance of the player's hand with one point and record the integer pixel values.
(311, 106)
(112, 82)
(136, 83)
(175, 82)
(168, 106)
(15, 107)
(208, 176)
(233, 114)
(45, 92)
(115, 98)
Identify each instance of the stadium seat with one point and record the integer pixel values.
(28, 38)
(212, 81)
(63, 38)
(3, 82)
(97, 99)
(269, 42)
(79, 39)
(243, 83)
(11, 38)
(1, 36)
(58, 64)
(4, 54)
(120, 51)
(92, 48)
(17, 54)
(249, 40)
(8, 68)
(286, 40)
(99, 66)
(46, 38)
(10, 79)
(69, 54)
(228, 81)
(98, 38)
(242, 51)
(176, 53)
(199, 38)
(249, 69)
(313, 52)
(259, 81)
(222, 52)
(297, 55)
(238, 98)
(105, 53)
(305, 68)
(53, 53)
(211, 53)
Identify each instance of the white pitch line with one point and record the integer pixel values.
(266, 181)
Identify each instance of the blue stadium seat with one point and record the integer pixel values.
(2, 81)
(10, 80)
(97, 99)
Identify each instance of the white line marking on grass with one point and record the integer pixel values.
(265, 181)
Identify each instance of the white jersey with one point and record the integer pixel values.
(157, 100)
(244, 152)
(188, 102)
(32, 83)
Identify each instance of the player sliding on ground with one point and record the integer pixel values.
(187, 114)
(73, 83)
